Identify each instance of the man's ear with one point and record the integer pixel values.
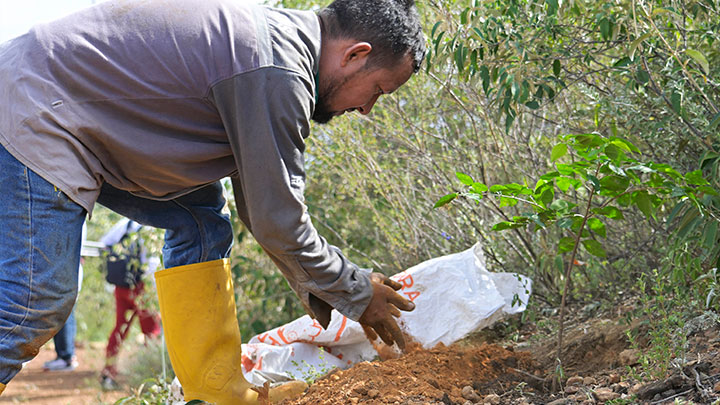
(357, 52)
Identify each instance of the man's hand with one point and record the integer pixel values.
(377, 320)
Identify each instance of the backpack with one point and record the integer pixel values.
(123, 262)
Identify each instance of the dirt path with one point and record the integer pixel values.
(78, 387)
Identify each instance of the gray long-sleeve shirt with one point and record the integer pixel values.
(161, 97)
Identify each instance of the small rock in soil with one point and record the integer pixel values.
(561, 401)
(605, 394)
(373, 393)
(613, 379)
(622, 387)
(635, 389)
(571, 389)
(574, 380)
(589, 381)
(492, 399)
(469, 393)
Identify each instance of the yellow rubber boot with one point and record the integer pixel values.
(197, 307)
(2, 388)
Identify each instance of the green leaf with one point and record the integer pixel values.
(594, 247)
(617, 170)
(565, 170)
(464, 178)
(437, 41)
(597, 226)
(558, 151)
(610, 212)
(625, 145)
(642, 76)
(605, 28)
(614, 153)
(478, 188)
(587, 140)
(552, 6)
(594, 181)
(485, 76)
(676, 102)
(642, 201)
(463, 16)
(533, 105)
(664, 168)
(460, 55)
(547, 196)
(556, 68)
(550, 176)
(564, 223)
(696, 178)
(636, 43)
(445, 199)
(642, 168)
(434, 28)
(508, 202)
(714, 122)
(700, 59)
(614, 183)
(564, 183)
(681, 206)
(622, 62)
(501, 226)
(559, 205)
(710, 234)
(707, 190)
(691, 225)
(566, 244)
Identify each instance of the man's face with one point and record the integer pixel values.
(358, 90)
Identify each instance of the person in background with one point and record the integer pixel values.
(64, 340)
(126, 264)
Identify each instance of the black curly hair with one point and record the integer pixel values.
(392, 27)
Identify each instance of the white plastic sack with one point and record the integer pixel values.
(454, 295)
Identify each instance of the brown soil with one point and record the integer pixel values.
(419, 376)
(472, 371)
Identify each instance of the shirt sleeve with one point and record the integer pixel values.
(266, 115)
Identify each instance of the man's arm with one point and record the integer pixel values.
(265, 113)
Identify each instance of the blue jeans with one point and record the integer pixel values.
(65, 338)
(39, 258)
(196, 228)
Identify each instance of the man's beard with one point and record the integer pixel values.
(322, 113)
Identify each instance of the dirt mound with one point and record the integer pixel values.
(420, 377)
(589, 346)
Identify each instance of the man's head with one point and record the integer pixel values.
(369, 47)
